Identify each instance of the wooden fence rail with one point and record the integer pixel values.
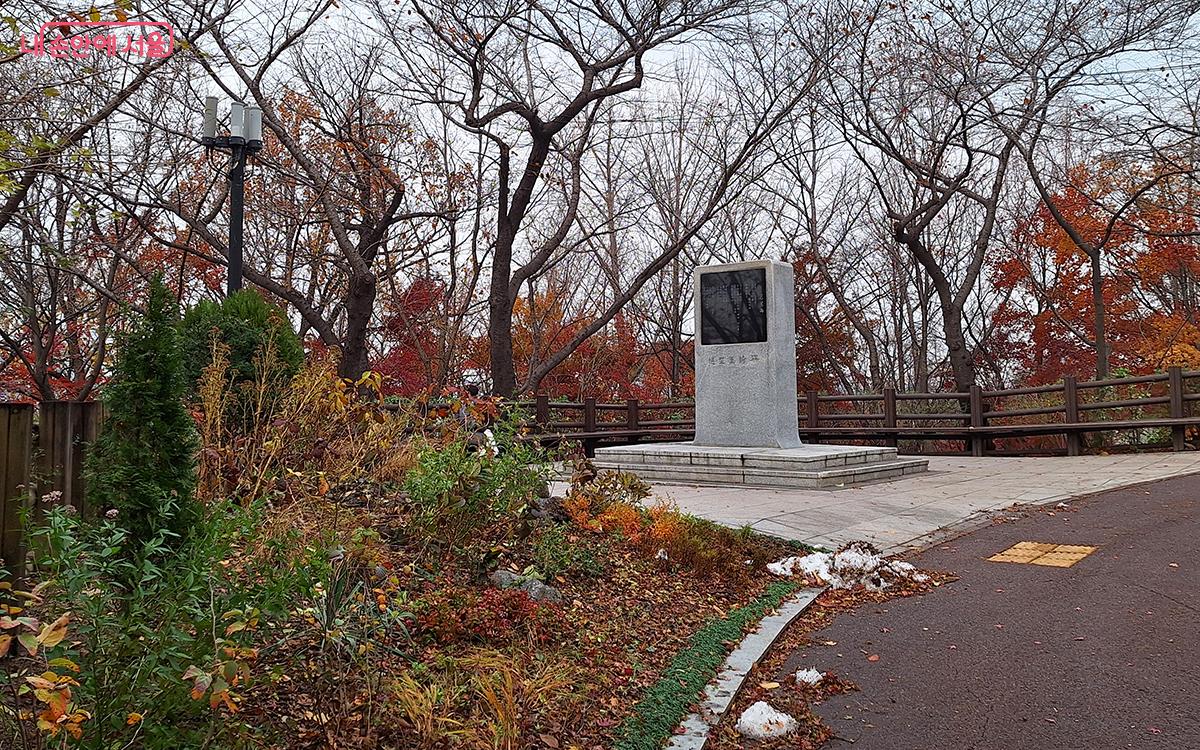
(1048, 419)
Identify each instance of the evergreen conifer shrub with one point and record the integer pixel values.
(143, 465)
(257, 334)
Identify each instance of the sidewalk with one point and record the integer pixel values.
(903, 514)
(1025, 657)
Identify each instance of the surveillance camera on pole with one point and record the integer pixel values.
(244, 139)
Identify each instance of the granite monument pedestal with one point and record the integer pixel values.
(747, 429)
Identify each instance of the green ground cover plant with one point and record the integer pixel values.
(666, 702)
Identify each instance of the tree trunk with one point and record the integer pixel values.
(959, 356)
(500, 315)
(510, 212)
(956, 344)
(360, 304)
(1098, 318)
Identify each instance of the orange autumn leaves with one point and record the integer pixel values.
(612, 364)
(52, 687)
(1150, 266)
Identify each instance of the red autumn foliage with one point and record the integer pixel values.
(1045, 328)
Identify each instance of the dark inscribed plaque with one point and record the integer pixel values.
(733, 306)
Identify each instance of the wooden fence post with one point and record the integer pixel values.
(1071, 415)
(813, 420)
(889, 414)
(541, 413)
(977, 439)
(16, 456)
(631, 414)
(1175, 389)
(589, 414)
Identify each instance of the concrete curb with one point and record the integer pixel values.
(724, 688)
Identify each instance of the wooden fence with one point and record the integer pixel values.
(16, 450)
(1052, 419)
(41, 452)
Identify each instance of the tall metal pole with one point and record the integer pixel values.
(244, 139)
(237, 190)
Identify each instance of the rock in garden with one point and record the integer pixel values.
(537, 590)
(504, 579)
(540, 592)
(549, 509)
(762, 722)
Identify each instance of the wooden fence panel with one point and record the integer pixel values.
(16, 455)
(65, 429)
(980, 420)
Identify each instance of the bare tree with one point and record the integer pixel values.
(533, 79)
(912, 102)
(1073, 56)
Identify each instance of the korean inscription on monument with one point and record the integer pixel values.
(733, 307)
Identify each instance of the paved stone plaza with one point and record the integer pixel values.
(901, 514)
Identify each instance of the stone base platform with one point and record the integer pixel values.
(809, 466)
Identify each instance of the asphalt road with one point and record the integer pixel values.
(1105, 654)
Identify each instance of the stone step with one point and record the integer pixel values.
(808, 466)
(758, 477)
(809, 457)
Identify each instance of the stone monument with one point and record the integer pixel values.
(747, 430)
(746, 344)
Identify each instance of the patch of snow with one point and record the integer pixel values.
(815, 565)
(783, 568)
(808, 676)
(762, 722)
(854, 564)
(490, 447)
(856, 557)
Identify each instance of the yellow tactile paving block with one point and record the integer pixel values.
(1044, 553)
(1017, 556)
(1056, 561)
(1074, 549)
(1038, 546)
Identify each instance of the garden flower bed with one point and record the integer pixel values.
(378, 579)
(466, 663)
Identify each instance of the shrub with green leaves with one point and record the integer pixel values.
(143, 465)
(457, 488)
(158, 640)
(262, 346)
(555, 553)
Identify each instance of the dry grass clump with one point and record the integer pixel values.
(317, 432)
(484, 698)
